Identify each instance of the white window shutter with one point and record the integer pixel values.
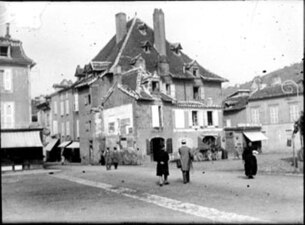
(205, 117)
(155, 115)
(173, 91)
(190, 118)
(201, 93)
(215, 117)
(8, 80)
(179, 118)
(200, 118)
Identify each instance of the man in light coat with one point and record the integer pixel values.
(186, 160)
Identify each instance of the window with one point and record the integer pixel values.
(274, 114)
(168, 89)
(111, 128)
(293, 112)
(62, 109)
(89, 99)
(62, 128)
(210, 118)
(7, 80)
(195, 92)
(76, 102)
(67, 128)
(67, 106)
(77, 128)
(255, 115)
(155, 86)
(55, 127)
(195, 71)
(4, 51)
(194, 118)
(156, 116)
(8, 114)
(55, 107)
(124, 126)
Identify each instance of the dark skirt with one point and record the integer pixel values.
(250, 165)
(162, 169)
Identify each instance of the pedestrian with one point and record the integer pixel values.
(186, 161)
(162, 166)
(115, 158)
(108, 159)
(62, 156)
(250, 162)
(102, 160)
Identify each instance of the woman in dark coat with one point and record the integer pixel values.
(250, 161)
(162, 166)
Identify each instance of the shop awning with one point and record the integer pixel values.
(255, 136)
(20, 139)
(74, 144)
(51, 144)
(64, 144)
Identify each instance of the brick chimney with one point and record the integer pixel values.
(121, 28)
(159, 32)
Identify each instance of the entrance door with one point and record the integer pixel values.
(156, 144)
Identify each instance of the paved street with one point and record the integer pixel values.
(75, 193)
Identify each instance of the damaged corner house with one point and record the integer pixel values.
(138, 92)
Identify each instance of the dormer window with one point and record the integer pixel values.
(146, 46)
(143, 28)
(155, 86)
(4, 51)
(176, 48)
(195, 71)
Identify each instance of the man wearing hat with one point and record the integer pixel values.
(186, 160)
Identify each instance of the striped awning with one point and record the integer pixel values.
(74, 144)
(20, 139)
(51, 144)
(64, 144)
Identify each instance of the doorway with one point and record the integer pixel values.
(155, 146)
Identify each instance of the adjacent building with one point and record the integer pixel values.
(273, 102)
(19, 143)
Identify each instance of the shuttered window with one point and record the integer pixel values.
(67, 106)
(8, 80)
(76, 101)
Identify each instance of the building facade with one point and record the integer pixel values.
(15, 68)
(21, 146)
(273, 106)
(140, 92)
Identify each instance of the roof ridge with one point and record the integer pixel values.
(124, 43)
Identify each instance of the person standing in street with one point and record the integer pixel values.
(250, 161)
(115, 158)
(162, 166)
(108, 159)
(186, 161)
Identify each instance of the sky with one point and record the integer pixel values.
(237, 40)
